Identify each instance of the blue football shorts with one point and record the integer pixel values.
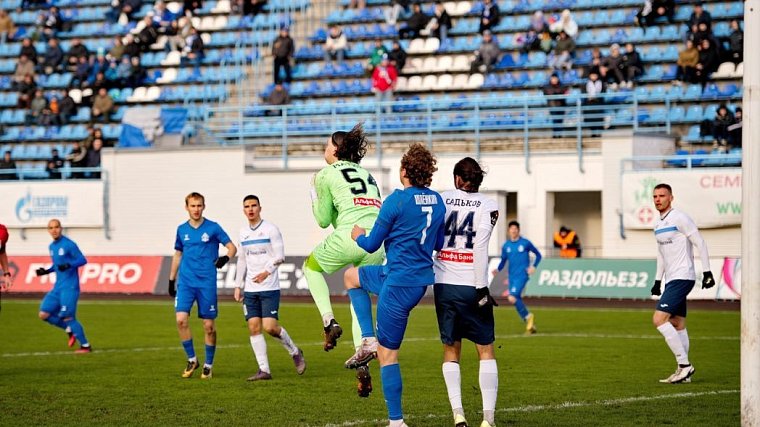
(673, 299)
(61, 302)
(460, 316)
(206, 298)
(261, 304)
(517, 285)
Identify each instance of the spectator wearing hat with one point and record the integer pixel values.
(384, 78)
(397, 55)
(282, 50)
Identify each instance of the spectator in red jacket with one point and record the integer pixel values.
(384, 78)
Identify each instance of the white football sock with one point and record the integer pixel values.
(259, 346)
(489, 388)
(453, 379)
(286, 342)
(674, 342)
(684, 340)
(326, 318)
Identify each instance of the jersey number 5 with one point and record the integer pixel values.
(358, 186)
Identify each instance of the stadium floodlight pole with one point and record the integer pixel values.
(750, 298)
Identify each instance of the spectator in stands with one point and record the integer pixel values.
(489, 16)
(688, 58)
(564, 51)
(137, 73)
(53, 58)
(131, 46)
(394, 11)
(177, 41)
(735, 130)
(556, 103)
(487, 55)
(122, 72)
(102, 106)
(700, 32)
(565, 23)
(593, 113)
(416, 23)
(568, 242)
(81, 73)
(147, 34)
(26, 91)
(7, 27)
(336, 44)
(52, 23)
(117, 50)
(595, 65)
(8, 167)
(278, 96)
(37, 104)
(123, 7)
(162, 17)
(653, 9)
(440, 24)
(384, 78)
(93, 158)
(67, 108)
(723, 119)
(99, 65)
(530, 40)
(54, 165)
(397, 56)
(77, 158)
(282, 50)
(28, 50)
(76, 50)
(191, 6)
(736, 43)
(613, 65)
(253, 7)
(699, 16)
(24, 67)
(195, 51)
(633, 66)
(100, 82)
(50, 114)
(378, 52)
(708, 62)
(357, 4)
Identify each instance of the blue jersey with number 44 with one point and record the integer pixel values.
(410, 223)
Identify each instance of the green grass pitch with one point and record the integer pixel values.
(584, 367)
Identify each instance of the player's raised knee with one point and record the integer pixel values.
(351, 278)
(44, 315)
(512, 300)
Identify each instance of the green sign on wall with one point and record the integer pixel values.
(593, 278)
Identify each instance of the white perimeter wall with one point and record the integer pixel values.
(147, 190)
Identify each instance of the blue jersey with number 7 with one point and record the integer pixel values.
(410, 223)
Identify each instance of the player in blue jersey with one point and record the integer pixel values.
(196, 258)
(410, 225)
(516, 251)
(59, 306)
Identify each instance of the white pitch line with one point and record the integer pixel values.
(411, 339)
(560, 406)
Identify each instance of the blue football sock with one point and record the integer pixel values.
(210, 350)
(392, 387)
(363, 307)
(78, 331)
(189, 349)
(522, 310)
(56, 321)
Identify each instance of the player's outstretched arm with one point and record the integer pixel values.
(322, 201)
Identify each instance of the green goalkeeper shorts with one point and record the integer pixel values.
(338, 250)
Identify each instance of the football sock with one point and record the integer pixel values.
(674, 342)
(392, 387)
(356, 330)
(78, 331)
(684, 340)
(285, 340)
(489, 387)
(522, 310)
(189, 349)
(362, 305)
(259, 346)
(210, 351)
(453, 380)
(396, 423)
(318, 289)
(57, 321)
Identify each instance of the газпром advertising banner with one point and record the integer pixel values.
(32, 204)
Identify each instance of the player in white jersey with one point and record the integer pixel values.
(462, 301)
(676, 233)
(261, 252)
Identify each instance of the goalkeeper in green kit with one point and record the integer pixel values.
(343, 194)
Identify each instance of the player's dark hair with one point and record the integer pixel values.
(195, 195)
(515, 223)
(352, 145)
(471, 173)
(419, 164)
(665, 186)
(251, 197)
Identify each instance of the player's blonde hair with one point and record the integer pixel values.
(195, 195)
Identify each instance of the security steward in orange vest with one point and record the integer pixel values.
(568, 242)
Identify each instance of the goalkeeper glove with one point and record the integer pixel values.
(172, 289)
(63, 267)
(707, 280)
(221, 261)
(41, 271)
(656, 287)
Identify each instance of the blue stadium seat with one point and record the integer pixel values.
(694, 113)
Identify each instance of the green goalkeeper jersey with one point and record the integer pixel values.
(347, 194)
